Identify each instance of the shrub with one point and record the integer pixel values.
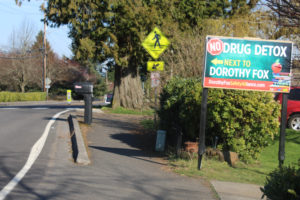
(244, 121)
(16, 96)
(99, 89)
(283, 183)
(180, 103)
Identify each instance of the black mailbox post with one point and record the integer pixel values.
(86, 89)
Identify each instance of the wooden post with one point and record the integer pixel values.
(45, 55)
(201, 148)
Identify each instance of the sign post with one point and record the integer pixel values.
(247, 64)
(155, 76)
(281, 152)
(155, 44)
(69, 96)
(201, 148)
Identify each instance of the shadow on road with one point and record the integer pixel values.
(25, 188)
(57, 119)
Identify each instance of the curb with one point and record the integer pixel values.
(80, 154)
(95, 110)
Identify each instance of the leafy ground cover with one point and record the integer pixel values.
(256, 172)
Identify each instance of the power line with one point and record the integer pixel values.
(20, 53)
(19, 58)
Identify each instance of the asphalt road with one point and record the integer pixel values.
(20, 128)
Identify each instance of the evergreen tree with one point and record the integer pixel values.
(114, 30)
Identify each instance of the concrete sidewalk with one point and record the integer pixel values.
(125, 167)
(237, 191)
(112, 136)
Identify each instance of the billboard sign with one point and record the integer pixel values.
(247, 64)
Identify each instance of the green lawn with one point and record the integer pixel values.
(252, 173)
(121, 110)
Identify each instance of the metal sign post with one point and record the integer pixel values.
(155, 44)
(155, 76)
(281, 152)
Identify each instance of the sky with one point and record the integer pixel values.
(12, 17)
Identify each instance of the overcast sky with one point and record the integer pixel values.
(12, 17)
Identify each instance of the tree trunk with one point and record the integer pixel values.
(22, 87)
(128, 91)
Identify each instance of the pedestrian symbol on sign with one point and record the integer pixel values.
(157, 37)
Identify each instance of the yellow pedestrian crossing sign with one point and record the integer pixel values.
(155, 65)
(156, 43)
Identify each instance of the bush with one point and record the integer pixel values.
(99, 89)
(244, 121)
(283, 183)
(180, 103)
(16, 96)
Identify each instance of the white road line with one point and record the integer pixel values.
(8, 108)
(39, 108)
(34, 153)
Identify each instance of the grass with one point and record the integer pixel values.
(148, 124)
(121, 110)
(255, 173)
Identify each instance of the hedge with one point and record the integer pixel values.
(16, 96)
(283, 183)
(243, 121)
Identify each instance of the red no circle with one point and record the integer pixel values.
(215, 46)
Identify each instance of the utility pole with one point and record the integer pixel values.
(44, 55)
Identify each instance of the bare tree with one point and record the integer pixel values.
(288, 11)
(20, 72)
(186, 56)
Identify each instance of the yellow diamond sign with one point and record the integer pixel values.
(156, 43)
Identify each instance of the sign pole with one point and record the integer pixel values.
(155, 102)
(281, 153)
(47, 92)
(201, 147)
